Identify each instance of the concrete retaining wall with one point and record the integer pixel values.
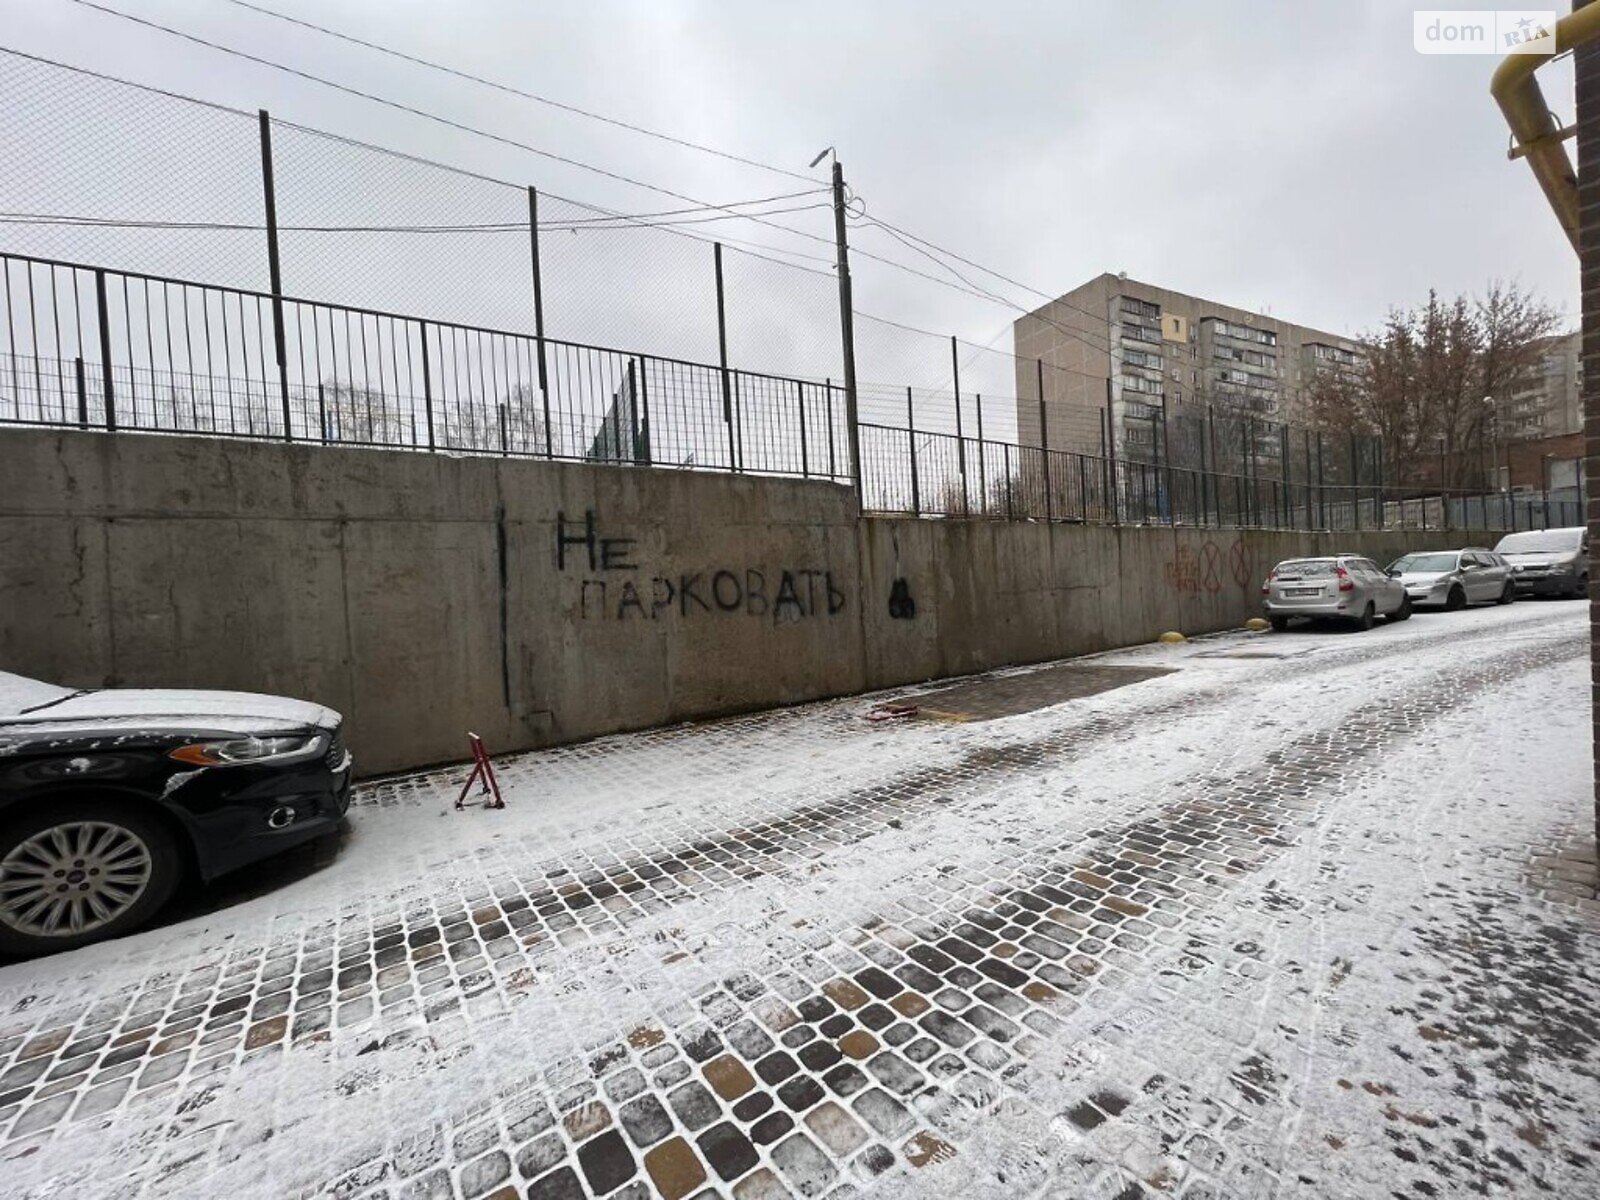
(992, 593)
(425, 595)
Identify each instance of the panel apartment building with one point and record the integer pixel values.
(1550, 403)
(1141, 351)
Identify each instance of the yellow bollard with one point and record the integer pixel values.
(1256, 624)
(1172, 638)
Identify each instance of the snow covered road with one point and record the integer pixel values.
(1267, 919)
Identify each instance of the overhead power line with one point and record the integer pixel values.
(965, 286)
(460, 126)
(413, 110)
(576, 225)
(417, 60)
(922, 245)
(760, 250)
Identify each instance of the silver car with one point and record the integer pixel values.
(1548, 562)
(1345, 587)
(1453, 579)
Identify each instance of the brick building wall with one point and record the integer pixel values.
(1531, 462)
(1528, 464)
(1586, 66)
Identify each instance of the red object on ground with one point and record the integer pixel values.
(890, 711)
(483, 772)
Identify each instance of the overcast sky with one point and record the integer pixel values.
(1297, 157)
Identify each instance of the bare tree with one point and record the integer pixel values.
(512, 423)
(362, 415)
(1432, 380)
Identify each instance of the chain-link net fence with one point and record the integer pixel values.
(424, 306)
(96, 171)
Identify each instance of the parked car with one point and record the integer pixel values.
(1548, 562)
(1453, 579)
(109, 798)
(1343, 587)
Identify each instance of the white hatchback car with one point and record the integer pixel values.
(1344, 587)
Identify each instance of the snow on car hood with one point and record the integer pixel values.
(18, 692)
(1539, 558)
(1418, 578)
(152, 708)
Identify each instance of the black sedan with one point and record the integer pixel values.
(109, 798)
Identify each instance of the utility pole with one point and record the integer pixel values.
(847, 328)
(274, 270)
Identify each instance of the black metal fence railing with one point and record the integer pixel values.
(105, 349)
(941, 475)
(95, 348)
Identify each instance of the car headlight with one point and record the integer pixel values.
(238, 751)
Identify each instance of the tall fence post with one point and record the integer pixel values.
(1247, 476)
(805, 456)
(1112, 488)
(961, 442)
(911, 439)
(83, 392)
(1006, 446)
(722, 359)
(1044, 440)
(427, 386)
(1215, 476)
(274, 268)
(847, 327)
(1355, 481)
(103, 313)
(644, 438)
(1382, 488)
(1166, 456)
(1285, 512)
(1306, 435)
(983, 468)
(833, 466)
(538, 321)
(1322, 485)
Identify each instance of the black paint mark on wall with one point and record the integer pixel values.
(901, 606)
(790, 595)
(604, 554)
(505, 629)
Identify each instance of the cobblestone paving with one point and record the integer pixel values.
(943, 1037)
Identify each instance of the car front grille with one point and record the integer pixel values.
(335, 756)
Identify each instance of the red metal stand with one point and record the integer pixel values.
(483, 772)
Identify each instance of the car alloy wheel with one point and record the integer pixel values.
(73, 879)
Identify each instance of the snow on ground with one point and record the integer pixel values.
(1288, 997)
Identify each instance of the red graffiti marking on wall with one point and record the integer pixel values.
(1201, 571)
(1240, 560)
